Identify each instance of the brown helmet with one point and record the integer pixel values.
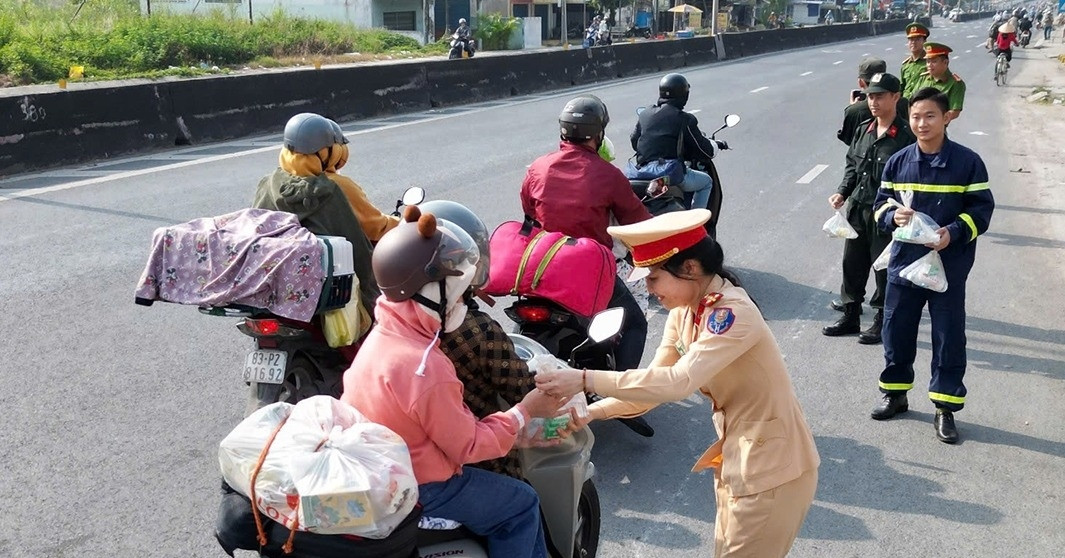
(420, 251)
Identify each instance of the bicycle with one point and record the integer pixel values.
(1001, 67)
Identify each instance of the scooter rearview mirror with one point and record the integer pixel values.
(731, 120)
(606, 324)
(413, 196)
(639, 110)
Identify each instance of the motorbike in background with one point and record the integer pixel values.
(634, 31)
(459, 46)
(1025, 38)
(660, 197)
(291, 360)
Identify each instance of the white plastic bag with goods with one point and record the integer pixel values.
(549, 427)
(927, 272)
(837, 226)
(329, 470)
(920, 230)
(884, 259)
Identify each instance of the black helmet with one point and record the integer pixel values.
(421, 250)
(309, 133)
(674, 87)
(460, 215)
(583, 118)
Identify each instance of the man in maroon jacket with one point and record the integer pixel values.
(575, 191)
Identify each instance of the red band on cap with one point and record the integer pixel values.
(661, 250)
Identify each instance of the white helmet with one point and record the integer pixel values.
(462, 21)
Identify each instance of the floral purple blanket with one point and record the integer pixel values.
(254, 257)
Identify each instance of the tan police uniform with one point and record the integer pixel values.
(765, 462)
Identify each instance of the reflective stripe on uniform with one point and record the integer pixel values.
(972, 226)
(895, 387)
(933, 188)
(977, 187)
(944, 398)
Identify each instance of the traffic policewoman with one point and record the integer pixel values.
(717, 343)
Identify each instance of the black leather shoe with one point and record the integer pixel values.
(871, 336)
(946, 431)
(891, 405)
(839, 306)
(849, 324)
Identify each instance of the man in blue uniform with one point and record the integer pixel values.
(948, 182)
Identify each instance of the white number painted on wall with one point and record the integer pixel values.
(32, 113)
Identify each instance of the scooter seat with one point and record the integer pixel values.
(429, 536)
(437, 524)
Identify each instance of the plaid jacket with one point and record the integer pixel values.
(489, 369)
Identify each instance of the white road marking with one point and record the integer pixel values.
(978, 133)
(970, 36)
(266, 147)
(693, 111)
(968, 51)
(980, 44)
(810, 176)
(763, 88)
(866, 54)
(837, 62)
(805, 74)
(890, 48)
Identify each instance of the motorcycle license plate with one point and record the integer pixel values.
(265, 366)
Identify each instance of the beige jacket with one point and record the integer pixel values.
(763, 439)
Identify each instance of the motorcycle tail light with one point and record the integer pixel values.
(268, 328)
(532, 314)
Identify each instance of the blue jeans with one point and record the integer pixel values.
(503, 510)
(699, 184)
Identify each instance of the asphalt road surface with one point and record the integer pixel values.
(112, 412)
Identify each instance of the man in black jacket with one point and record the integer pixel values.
(665, 132)
(875, 141)
(858, 111)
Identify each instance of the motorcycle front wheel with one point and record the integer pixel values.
(589, 521)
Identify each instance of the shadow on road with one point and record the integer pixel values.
(856, 474)
(89, 208)
(1024, 241)
(1040, 210)
(830, 525)
(971, 432)
(781, 299)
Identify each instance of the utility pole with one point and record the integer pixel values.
(713, 21)
(565, 29)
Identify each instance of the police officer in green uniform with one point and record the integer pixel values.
(858, 111)
(875, 141)
(914, 65)
(939, 76)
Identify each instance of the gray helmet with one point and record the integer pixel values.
(468, 221)
(583, 118)
(420, 251)
(674, 86)
(309, 133)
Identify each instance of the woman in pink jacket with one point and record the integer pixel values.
(401, 379)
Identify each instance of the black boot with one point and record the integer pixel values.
(946, 431)
(839, 306)
(871, 336)
(891, 405)
(849, 324)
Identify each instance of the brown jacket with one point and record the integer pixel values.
(763, 439)
(490, 369)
